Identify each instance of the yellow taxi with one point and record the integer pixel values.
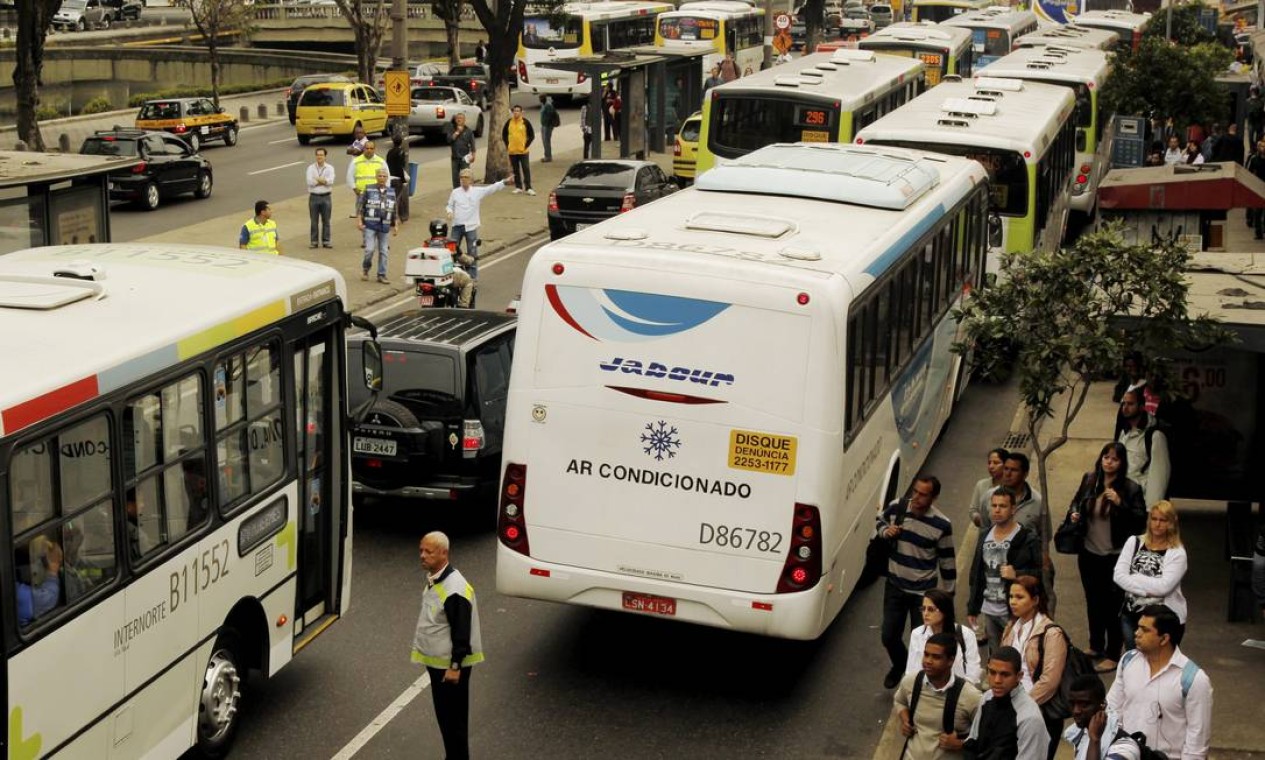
(685, 151)
(335, 109)
(194, 120)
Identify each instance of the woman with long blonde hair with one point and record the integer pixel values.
(1150, 570)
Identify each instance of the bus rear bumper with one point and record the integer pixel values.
(788, 616)
(1083, 202)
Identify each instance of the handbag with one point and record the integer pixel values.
(1070, 536)
(879, 551)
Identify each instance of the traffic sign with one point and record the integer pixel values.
(782, 21)
(398, 103)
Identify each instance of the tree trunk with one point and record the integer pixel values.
(452, 31)
(1044, 532)
(33, 22)
(498, 160)
(213, 51)
(364, 57)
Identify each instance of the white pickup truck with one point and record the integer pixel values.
(434, 107)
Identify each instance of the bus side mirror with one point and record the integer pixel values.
(371, 360)
(994, 230)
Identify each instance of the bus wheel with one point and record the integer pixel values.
(220, 701)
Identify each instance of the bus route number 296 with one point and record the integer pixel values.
(736, 537)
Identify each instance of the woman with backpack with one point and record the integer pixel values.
(1108, 508)
(1043, 646)
(938, 617)
(1150, 571)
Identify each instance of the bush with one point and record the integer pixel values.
(54, 110)
(188, 91)
(96, 105)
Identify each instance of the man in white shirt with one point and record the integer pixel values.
(320, 206)
(463, 213)
(1095, 733)
(1161, 693)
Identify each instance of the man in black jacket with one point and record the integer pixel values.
(1008, 725)
(1005, 552)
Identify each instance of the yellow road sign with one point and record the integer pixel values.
(397, 86)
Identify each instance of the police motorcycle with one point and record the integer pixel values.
(432, 269)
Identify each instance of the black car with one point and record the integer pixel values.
(168, 166)
(126, 10)
(302, 83)
(598, 189)
(436, 428)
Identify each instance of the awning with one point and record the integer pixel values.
(1206, 187)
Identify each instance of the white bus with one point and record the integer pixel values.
(717, 26)
(174, 484)
(936, 11)
(711, 445)
(1071, 36)
(1084, 72)
(580, 29)
(1052, 12)
(821, 97)
(1023, 133)
(943, 50)
(1130, 26)
(994, 30)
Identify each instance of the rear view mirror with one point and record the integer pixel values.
(371, 360)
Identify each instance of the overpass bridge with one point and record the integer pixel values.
(284, 26)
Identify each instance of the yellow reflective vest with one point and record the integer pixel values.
(432, 642)
(262, 237)
(364, 171)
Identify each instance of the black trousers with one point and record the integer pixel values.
(899, 607)
(452, 710)
(1053, 727)
(1103, 599)
(522, 170)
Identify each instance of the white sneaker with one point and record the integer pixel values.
(517, 190)
(531, 192)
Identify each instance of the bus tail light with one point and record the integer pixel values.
(802, 568)
(511, 523)
(1085, 168)
(630, 202)
(471, 438)
(553, 200)
(522, 71)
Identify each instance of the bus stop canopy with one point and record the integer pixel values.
(1181, 187)
(22, 168)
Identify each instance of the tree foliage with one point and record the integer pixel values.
(1161, 79)
(368, 20)
(212, 18)
(1060, 317)
(35, 17)
(1186, 28)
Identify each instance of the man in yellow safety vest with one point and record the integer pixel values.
(363, 171)
(259, 233)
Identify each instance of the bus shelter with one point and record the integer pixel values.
(658, 88)
(55, 198)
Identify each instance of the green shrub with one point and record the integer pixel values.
(53, 110)
(96, 105)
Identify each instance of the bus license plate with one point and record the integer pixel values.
(814, 136)
(657, 605)
(426, 300)
(551, 80)
(379, 446)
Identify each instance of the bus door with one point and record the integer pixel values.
(314, 384)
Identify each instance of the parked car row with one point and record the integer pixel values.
(80, 15)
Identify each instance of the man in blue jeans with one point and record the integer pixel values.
(377, 219)
(463, 214)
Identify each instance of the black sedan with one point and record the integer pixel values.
(599, 189)
(168, 166)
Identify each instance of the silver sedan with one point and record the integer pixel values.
(434, 107)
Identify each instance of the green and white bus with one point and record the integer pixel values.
(174, 488)
(1071, 36)
(822, 97)
(994, 30)
(1083, 72)
(936, 11)
(1023, 133)
(943, 50)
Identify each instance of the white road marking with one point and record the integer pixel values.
(274, 168)
(404, 298)
(289, 139)
(386, 716)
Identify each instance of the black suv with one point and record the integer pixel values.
(169, 166)
(436, 430)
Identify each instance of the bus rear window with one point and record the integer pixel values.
(991, 42)
(542, 33)
(936, 13)
(743, 123)
(688, 28)
(1007, 172)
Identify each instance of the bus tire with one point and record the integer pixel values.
(219, 703)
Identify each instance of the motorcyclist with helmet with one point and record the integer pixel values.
(462, 282)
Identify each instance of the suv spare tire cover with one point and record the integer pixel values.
(391, 413)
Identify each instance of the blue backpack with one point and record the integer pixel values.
(1189, 671)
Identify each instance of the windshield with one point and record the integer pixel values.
(321, 97)
(688, 28)
(74, 5)
(541, 33)
(1084, 114)
(467, 71)
(420, 378)
(434, 93)
(599, 174)
(991, 42)
(690, 129)
(155, 111)
(936, 13)
(106, 146)
(743, 123)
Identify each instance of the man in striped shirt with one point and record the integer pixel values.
(922, 545)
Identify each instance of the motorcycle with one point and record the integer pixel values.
(431, 269)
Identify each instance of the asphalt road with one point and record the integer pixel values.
(567, 682)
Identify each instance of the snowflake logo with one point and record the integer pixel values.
(660, 440)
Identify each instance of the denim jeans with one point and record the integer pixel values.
(379, 242)
(319, 208)
(471, 238)
(547, 135)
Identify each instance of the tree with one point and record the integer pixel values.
(368, 20)
(449, 12)
(813, 14)
(35, 17)
(1185, 27)
(1162, 80)
(212, 18)
(1058, 317)
(503, 26)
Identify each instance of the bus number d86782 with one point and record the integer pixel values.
(736, 537)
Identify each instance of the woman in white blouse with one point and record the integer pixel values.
(1150, 571)
(937, 616)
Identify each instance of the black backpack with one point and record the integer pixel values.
(950, 702)
(1139, 738)
(1059, 705)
